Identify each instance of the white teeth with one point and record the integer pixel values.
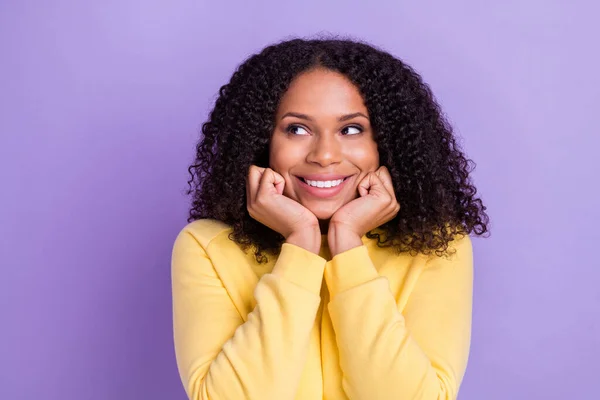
(325, 184)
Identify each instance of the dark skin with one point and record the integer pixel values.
(322, 127)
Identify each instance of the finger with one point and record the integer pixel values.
(279, 183)
(364, 185)
(270, 182)
(374, 185)
(386, 178)
(253, 180)
(371, 184)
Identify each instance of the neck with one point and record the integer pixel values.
(324, 225)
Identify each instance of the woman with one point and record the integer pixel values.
(327, 253)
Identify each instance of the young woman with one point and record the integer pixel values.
(327, 253)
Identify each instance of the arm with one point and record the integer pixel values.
(420, 354)
(219, 356)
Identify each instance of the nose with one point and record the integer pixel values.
(325, 150)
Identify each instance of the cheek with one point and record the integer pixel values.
(282, 159)
(275, 163)
(284, 156)
(276, 158)
(365, 156)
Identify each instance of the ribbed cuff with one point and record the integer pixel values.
(349, 269)
(300, 267)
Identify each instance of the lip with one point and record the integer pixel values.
(324, 177)
(323, 192)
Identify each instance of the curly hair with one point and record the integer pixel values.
(415, 142)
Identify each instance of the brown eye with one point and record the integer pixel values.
(352, 130)
(296, 130)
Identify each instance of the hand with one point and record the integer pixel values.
(267, 204)
(376, 205)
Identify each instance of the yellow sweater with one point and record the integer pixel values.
(366, 325)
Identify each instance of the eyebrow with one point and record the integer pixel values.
(342, 118)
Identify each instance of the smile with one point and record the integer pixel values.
(321, 184)
(322, 188)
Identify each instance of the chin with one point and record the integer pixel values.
(323, 214)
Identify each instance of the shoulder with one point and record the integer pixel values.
(460, 246)
(459, 255)
(202, 231)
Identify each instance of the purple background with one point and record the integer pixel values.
(100, 107)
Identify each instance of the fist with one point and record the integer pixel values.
(267, 204)
(375, 206)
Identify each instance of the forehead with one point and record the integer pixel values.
(322, 92)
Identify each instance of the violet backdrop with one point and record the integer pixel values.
(100, 108)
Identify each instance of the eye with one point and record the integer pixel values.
(296, 130)
(352, 130)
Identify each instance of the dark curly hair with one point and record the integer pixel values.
(415, 142)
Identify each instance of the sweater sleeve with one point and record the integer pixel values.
(219, 356)
(420, 354)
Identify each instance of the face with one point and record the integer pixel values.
(323, 143)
